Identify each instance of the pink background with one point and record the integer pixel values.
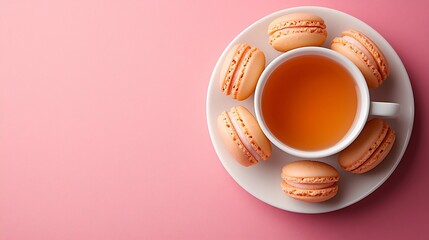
(103, 132)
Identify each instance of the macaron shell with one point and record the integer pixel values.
(378, 156)
(226, 64)
(371, 136)
(232, 142)
(251, 70)
(229, 66)
(297, 30)
(296, 20)
(241, 70)
(286, 40)
(370, 147)
(307, 195)
(253, 132)
(306, 171)
(376, 53)
(250, 128)
(372, 76)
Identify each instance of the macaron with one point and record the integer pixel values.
(365, 54)
(243, 136)
(241, 69)
(310, 181)
(297, 30)
(370, 147)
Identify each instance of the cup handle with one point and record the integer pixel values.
(384, 109)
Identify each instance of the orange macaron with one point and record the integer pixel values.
(365, 54)
(370, 147)
(243, 136)
(310, 181)
(297, 30)
(240, 71)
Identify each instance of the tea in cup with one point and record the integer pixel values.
(313, 102)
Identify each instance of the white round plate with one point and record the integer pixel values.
(263, 180)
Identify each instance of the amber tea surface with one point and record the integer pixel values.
(309, 102)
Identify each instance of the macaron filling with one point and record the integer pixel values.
(240, 70)
(362, 48)
(243, 138)
(236, 69)
(295, 30)
(309, 185)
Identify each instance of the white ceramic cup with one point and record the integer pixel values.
(365, 106)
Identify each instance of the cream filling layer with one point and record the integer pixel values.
(362, 48)
(309, 185)
(238, 68)
(243, 138)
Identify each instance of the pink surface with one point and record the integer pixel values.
(103, 131)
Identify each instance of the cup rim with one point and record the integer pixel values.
(363, 101)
